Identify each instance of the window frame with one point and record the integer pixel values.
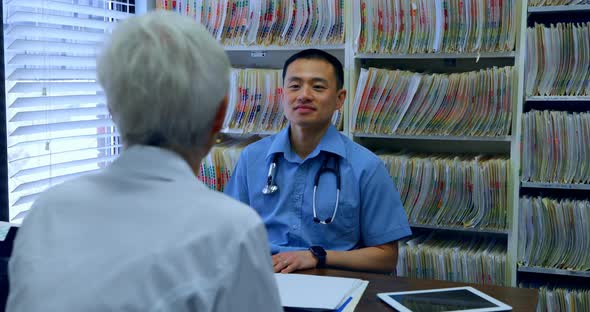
(4, 202)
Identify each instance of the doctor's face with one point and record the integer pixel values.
(311, 94)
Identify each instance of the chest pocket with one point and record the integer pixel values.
(344, 230)
(341, 233)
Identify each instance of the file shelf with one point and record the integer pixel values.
(559, 98)
(560, 8)
(246, 133)
(482, 55)
(553, 271)
(459, 229)
(290, 48)
(446, 63)
(434, 137)
(555, 196)
(543, 185)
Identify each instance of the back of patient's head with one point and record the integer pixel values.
(164, 77)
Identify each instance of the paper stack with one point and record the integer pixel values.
(477, 103)
(217, 166)
(557, 60)
(319, 293)
(430, 26)
(555, 147)
(554, 233)
(461, 191)
(281, 22)
(453, 258)
(554, 299)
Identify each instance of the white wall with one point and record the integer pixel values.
(142, 6)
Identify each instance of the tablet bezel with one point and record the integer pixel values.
(395, 304)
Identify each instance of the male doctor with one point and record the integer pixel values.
(325, 200)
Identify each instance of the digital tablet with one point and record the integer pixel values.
(443, 299)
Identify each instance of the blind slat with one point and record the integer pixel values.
(59, 114)
(55, 87)
(65, 152)
(52, 74)
(41, 46)
(71, 8)
(54, 33)
(61, 139)
(50, 181)
(63, 165)
(27, 199)
(52, 61)
(65, 100)
(29, 17)
(61, 126)
(21, 215)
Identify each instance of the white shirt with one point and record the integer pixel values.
(142, 235)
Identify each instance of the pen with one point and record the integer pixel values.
(341, 308)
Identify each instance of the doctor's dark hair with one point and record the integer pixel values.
(315, 54)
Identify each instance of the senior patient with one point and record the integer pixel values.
(144, 234)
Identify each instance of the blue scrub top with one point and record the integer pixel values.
(370, 212)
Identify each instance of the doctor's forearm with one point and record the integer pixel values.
(381, 258)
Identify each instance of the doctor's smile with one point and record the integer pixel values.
(304, 109)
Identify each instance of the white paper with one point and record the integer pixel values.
(315, 292)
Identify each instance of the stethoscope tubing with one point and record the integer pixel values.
(271, 186)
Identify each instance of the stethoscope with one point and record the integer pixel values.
(272, 187)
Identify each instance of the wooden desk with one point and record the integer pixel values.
(520, 299)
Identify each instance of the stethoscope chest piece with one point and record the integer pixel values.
(271, 187)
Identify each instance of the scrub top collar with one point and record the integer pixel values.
(331, 142)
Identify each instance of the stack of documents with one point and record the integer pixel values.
(554, 233)
(447, 190)
(561, 299)
(453, 258)
(217, 166)
(255, 101)
(558, 58)
(313, 292)
(266, 22)
(475, 103)
(555, 147)
(430, 26)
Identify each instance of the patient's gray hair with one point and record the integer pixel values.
(164, 77)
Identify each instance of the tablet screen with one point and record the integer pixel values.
(449, 299)
(461, 299)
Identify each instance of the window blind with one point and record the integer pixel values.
(58, 126)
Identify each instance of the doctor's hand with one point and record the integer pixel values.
(291, 261)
